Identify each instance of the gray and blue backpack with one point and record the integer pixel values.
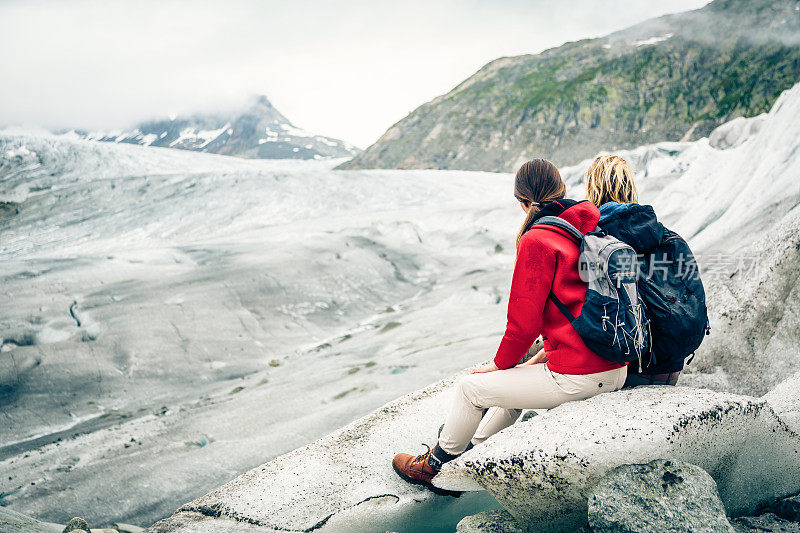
(612, 322)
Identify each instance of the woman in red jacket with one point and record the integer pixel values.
(492, 396)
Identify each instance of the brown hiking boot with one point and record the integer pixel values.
(418, 470)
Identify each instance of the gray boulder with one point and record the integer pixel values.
(542, 471)
(77, 524)
(656, 497)
(494, 521)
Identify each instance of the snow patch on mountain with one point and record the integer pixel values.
(652, 40)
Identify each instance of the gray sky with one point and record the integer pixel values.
(347, 69)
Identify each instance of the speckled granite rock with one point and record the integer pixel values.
(345, 482)
(655, 497)
(77, 524)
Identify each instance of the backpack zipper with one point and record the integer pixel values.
(618, 246)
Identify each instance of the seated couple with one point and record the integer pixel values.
(546, 288)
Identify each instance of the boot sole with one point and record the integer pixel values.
(429, 486)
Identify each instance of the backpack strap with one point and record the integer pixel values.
(560, 223)
(574, 233)
(561, 307)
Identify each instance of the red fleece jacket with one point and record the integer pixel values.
(547, 260)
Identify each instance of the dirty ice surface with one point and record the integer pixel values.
(173, 319)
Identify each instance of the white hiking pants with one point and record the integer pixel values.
(488, 402)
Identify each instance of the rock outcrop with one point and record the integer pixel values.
(77, 524)
(657, 496)
(542, 471)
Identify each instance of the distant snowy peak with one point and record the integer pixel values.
(258, 132)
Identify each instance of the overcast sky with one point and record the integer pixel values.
(346, 69)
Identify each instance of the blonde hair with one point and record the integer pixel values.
(537, 182)
(610, 179)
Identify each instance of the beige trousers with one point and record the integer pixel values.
(488, 402)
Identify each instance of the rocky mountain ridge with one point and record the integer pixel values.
(671, 78)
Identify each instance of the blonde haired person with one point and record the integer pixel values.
(610, 179)
(610, 186)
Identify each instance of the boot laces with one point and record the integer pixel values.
(423, 458)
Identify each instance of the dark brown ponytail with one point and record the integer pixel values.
(538, 182)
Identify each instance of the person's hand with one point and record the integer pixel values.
(537, 359)
(488, 367)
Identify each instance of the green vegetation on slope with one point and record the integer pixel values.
(666, 79)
